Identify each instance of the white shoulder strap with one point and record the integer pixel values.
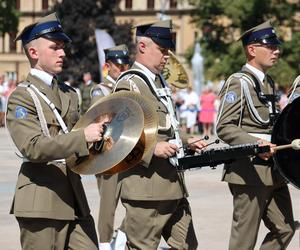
(39, 110)
(294, 86)
(53, 108)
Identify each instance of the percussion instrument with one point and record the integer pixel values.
(129, 136)
(216, 156)
(286, 131)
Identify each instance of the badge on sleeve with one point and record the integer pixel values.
(21, 112)
(231, 97)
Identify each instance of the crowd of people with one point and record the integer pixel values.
(50, 204)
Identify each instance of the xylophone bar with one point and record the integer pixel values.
(217, 156)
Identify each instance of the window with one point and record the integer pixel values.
(17, 4)
(150, 4)
(173, 4)
(128, 4)
(174, 39)
(45, 4)
(12, 43)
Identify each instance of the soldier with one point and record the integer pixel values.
(49, 203)
(116, 61)
(294, 92)
(153, 192)
(247, 113)
(85, 90)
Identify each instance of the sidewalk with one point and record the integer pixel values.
(209, 198)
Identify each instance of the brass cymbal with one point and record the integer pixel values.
(123, 145)
(150, 121)
(174, 72)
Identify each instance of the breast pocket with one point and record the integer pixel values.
(164, 122)
(262, 109)
(73, 117)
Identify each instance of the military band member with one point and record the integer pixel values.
(247, 112)
(49, 203)
(153, 192)
(117, 60)
(294, 91)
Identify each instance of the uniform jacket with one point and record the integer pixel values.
(97, 92)
(159, 180)
(244, 171)
(45, 189)
(86, 96)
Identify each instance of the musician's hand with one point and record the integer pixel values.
(197, 146)
(165, 149)
(266, 156)
(93, 132)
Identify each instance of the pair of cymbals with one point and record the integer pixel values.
(129, 137)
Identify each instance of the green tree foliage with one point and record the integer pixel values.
(79, 20)
(222, 21)
(9, 17)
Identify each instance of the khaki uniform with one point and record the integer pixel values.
(259, 192)
(85, 91)
(154, 193)
(102, 89)
(294, 92)
(107, 184)
(49, 198)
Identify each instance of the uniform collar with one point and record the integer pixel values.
(44, 76)
(147, 71)
(259, 74)
(109, 78)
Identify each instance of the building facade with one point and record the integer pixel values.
(13, 62)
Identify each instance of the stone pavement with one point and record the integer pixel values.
(209, 198)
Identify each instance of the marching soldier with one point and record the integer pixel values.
(85, 90)
(247, 113)
(153, 192)
(294, 92)
(49, 203)
(116, 61)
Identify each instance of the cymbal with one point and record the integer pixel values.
(150, 121)
(174, 72)
(123, 145)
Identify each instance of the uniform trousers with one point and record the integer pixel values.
(146, 221)
(109, 196)
(272, 204)
(48, 234)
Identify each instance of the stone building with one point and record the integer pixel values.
(13, 62)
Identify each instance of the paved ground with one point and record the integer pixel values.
(209, 197)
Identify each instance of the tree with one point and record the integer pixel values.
(79, 20)
(9, 18)
(223, 21)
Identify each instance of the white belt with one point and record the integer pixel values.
(266, 137)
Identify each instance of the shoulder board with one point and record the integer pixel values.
(24, 84)
(64, 87)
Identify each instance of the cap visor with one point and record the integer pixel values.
(58, 36)
(121, 60)
(165, 43)
(271, 40)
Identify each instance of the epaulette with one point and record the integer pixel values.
(65, 88)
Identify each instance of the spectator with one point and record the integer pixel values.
(190, 109)
(207, 113)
